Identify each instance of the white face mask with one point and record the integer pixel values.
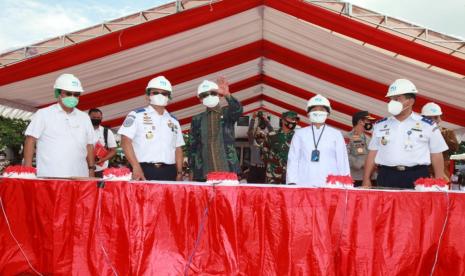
(211, 101)
(395, 107)
(318, 117)
(159, 100)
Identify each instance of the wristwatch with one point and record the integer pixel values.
(92, 167)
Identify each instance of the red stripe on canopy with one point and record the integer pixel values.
(350, 80)
(176, 75)
(306, 95)
(360, 31)
(123, 40)
(274, 52)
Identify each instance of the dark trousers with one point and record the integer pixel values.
(99, 174)
(256, 174)
(159, 172)
(391, 177)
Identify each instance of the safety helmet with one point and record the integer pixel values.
(318, 100)
(401, 87)
(206, 86)
(159, 82)
(431, 109)
(67, 82)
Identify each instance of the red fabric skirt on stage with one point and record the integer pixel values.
(75, 228)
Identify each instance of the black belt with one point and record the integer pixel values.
(156, 165)
(403, 168)
(258, 165)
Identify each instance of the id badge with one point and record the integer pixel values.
(315, 155)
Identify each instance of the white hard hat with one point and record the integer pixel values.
(206, 86)
(401, 87)
(159, 82)
(318, 100)
(431, 109)
(68, 82)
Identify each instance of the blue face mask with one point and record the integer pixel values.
(70, 102)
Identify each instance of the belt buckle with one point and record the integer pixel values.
(157, 165)
(401, 168)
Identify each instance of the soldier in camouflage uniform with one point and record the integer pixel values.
(212, 137)
(276, 147)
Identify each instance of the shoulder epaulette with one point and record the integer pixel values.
(174, 117)
(428, 121)
(382, 120)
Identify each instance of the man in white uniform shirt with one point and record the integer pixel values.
(106, 142)
(404, 144)
(317, 150)
(151, 137)
(62, 135)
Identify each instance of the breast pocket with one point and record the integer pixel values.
(421, 140)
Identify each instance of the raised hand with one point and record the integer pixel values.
(223, 86)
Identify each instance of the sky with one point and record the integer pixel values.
(26, 22)
(446, 16)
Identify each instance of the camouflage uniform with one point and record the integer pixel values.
(212, 140)
(274, 151)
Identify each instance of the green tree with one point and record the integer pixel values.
(12, 134)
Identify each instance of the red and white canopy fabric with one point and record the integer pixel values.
(276, 55)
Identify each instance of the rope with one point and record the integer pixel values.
(343, 220)
(97, 228)
(16, 241)
(201, 230)
(436, 257)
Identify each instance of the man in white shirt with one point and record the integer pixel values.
(404, 144)
(62, 135)
(151, 137)
(317, 150)
(105, 147)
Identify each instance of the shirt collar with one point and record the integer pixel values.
(216, 109)
(60, 109)
(413, 116)
(150, 109)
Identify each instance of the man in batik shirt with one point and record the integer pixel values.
(212, 137)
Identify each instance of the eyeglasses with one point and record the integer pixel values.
(69, 94)
(164, 93)
(206, 94)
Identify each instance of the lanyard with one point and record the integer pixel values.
(319, 138)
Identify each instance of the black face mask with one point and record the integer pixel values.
(368, 126)
(96, 122)
(291, 126)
